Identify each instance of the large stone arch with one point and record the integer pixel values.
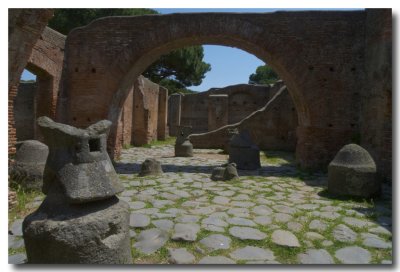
(317, 55)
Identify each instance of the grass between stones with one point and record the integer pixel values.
(168, 141)
(23, 197)
(278, 187)
(288, 185)
(276, 157)
(12, 251)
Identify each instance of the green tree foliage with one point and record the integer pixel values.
(179, 69)
(175, 71)
(263, 75)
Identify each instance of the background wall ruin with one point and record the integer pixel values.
(242, 100)
(272, 127)
(144, 113)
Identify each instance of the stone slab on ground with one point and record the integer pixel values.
(353, 255)
(315, 256)
(251, 253)
(138, 220)
(246, 233)
(186, 232)
(151, 240)
(285, 238)
(216, 241)
(17, 258)
(216, 260)
(180, 256)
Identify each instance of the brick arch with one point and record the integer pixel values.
(304, 48)
(46, 61)
(143, 62)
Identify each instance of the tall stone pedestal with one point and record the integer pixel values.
(243, 151)
(81, 221)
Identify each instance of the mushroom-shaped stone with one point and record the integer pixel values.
(243, 151)
(78, 164)
(183, 146)
(30, 160)
(353, 173)
(150, 167)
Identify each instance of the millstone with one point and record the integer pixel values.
(96, 233)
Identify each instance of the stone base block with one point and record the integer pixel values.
(347, 181)
(245, 158)
(93, 233)
(184, 150)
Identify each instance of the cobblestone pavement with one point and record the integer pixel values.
(274, 215)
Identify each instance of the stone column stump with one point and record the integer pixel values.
(30, 160)
(243, 151)
(81, 221)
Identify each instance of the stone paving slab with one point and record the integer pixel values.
(182, 216)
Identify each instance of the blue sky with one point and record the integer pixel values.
(228, 65)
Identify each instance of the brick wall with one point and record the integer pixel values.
(25, 27)
(145, 111)
(272, 127)
(320, 55)
(376, 117)
(46, 61)
(127, 120)
(243, 99)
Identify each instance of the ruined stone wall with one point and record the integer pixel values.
(25, 111)
(376, 112)
(143, 115)
(194, 111)
(271, 127)
(24, 29)
(145, 111)
(243, 99)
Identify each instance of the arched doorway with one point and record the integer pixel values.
(106, 56)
